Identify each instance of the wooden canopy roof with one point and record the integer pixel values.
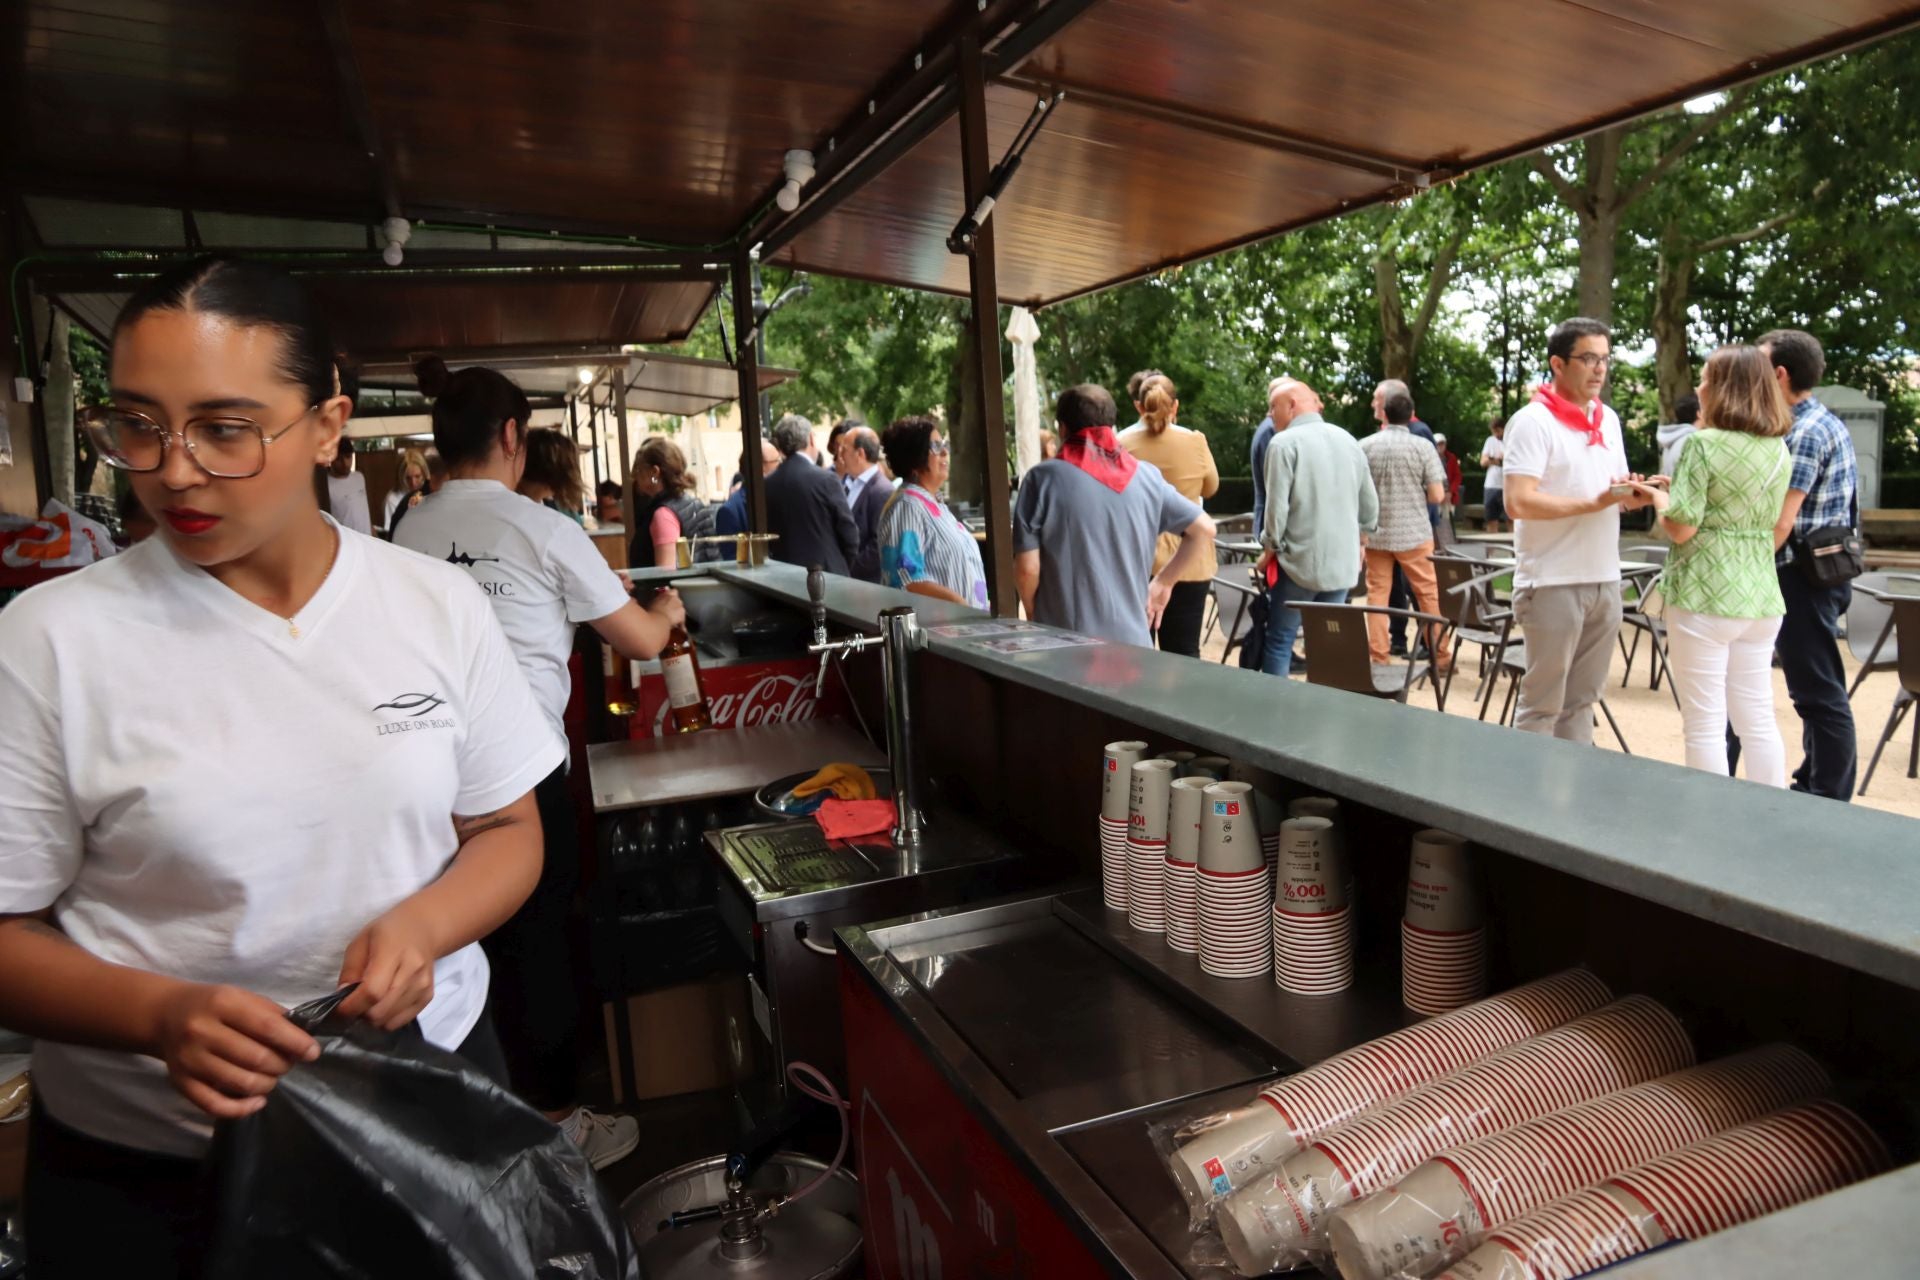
(1189, 125)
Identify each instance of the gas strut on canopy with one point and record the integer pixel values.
(961, 239)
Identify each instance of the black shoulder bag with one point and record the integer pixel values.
(1836, 554)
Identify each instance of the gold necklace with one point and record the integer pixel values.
(293, 628)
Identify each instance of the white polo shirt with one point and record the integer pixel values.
(539, 569)
(1574, 549)
(199, 789)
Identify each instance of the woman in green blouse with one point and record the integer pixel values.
(1723, 597)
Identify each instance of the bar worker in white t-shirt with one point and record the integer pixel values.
(543, 576)
(247, 762)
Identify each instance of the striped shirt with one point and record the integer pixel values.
(921, 540)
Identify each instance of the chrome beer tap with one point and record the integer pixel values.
(902, 636)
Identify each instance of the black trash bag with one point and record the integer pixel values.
(1253, 644)
(388, 1157)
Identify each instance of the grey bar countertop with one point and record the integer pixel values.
(1833, 880)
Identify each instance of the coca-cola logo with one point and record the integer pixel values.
(768, 700)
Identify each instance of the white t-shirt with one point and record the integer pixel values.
(1575, 549)
(198, 791)
(1495, 450)
(540, 570)
(347, 496)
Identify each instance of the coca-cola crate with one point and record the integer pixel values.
(743, 694)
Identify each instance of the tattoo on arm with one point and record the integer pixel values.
(467, 828)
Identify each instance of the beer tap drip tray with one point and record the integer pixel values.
(796, 857)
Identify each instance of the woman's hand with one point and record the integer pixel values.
(226, 1048)
(392, 960)
(1158, 593)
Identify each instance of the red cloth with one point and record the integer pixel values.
(1097, 452)
(845, 819)
(1570, 415)
(1453, 475)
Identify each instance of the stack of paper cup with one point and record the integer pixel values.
(1329, 808)
(1754, 1169)
(1147, 845)
(1443, 938)
(1283, 1219)
(1442, 1211)
(1312, 914)
(1180, 760)
(1183, 863)
(1291, 1112)
(1234, 891)
(1214, 767)
(1116, 796)
(1268, 811)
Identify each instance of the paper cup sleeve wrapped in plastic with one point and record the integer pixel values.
(1444, 1209)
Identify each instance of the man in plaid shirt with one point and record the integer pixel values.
(1821, 493)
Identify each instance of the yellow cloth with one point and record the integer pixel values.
(846, 781)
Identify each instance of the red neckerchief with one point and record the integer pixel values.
(1097, 452)
(1562, 408)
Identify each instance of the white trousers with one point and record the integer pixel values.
(1722, 670)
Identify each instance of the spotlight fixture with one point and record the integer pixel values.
(396, 231)
(585, 375)
(799, 170)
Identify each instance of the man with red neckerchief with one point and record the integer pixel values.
(1564, 455)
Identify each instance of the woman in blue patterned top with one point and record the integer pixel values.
(924, 547)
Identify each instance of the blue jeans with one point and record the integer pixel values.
(1283, 622)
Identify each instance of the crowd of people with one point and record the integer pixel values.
(1756, 473)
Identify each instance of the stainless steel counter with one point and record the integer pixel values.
(724, 762)
(1067, 1034)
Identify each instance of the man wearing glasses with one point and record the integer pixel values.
(1564, 457)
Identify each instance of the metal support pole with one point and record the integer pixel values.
(627, 513)
(746, 361)
(984, 377)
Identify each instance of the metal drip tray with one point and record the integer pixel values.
(796, 856)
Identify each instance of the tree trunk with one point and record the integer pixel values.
(1598, 246)
(1396, 338)
(1673, 353)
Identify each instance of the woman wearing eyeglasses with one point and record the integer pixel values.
(251, 760)
(924, 547)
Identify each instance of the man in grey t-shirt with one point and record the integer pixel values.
(1085, 526)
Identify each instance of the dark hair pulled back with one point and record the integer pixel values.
(472, 408)
(252, 295)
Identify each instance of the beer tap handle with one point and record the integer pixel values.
(817, 597)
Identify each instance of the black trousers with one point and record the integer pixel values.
(97, 1209)
(1809, 650)
(535, 1003)
(1180, 624)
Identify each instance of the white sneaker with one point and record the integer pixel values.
(603, 1139)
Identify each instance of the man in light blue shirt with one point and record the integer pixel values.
(1320, 499)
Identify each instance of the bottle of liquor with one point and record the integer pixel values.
(682, 672)
(620, 697)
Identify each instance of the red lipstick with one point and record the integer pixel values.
(188, 521)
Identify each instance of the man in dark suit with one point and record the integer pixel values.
(806, 506)
(867, 488)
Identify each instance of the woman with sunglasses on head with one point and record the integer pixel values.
(251, 760)
(543, 577)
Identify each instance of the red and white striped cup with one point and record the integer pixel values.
(1236, 939)
(1116, 791)
(1440, 972)
(1757, 1168)
(1444, 1209)
(1291, 1112)
(1283, 1219)
(1313, 954)
(1183, 862)
(1147, 845)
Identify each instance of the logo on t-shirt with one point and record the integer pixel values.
(467, 559)
(413, 711)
